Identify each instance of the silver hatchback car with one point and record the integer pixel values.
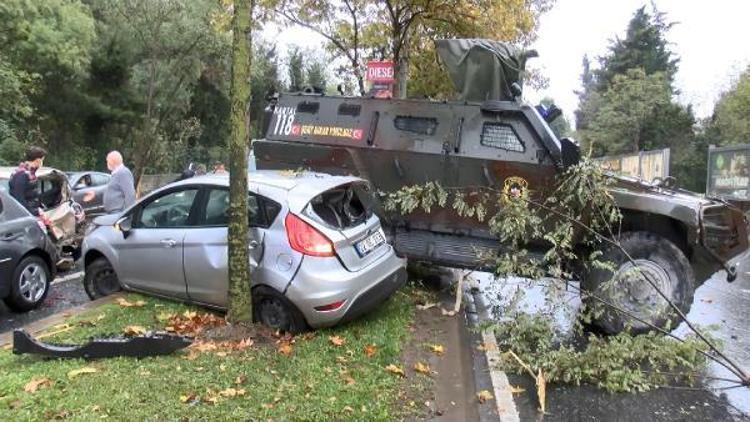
(318, 255)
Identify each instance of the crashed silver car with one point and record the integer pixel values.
(65, 216)
(318, 254)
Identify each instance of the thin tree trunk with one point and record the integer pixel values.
(240, 304)
(400, 65)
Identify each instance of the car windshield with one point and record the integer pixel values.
(4, 185)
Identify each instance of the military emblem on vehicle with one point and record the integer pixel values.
(515, 187)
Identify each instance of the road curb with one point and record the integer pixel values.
(487, 361)
(43, 324)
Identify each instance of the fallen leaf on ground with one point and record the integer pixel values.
(203, 346)
(370, 349)
(348, 409)
(426, 306)
(485, 346)
(395, 370)
(484, 395)
(349, 380)
(85, 370)
(516, 389)
(185, 398)
(285, 348)
(210, 398)
(336, 340)
(36, 384)
(127, 304)
(447, 313)
(133, 330)
(232, 392)
(164, 316)
(240, 379)
(422, 368)
(193, 323)
(437, 349)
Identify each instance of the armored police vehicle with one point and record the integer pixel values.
(489, 137)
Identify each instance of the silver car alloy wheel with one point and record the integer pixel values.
(33, 282)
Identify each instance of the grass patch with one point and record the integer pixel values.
(317, 381)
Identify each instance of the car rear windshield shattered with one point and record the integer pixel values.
(344, 206)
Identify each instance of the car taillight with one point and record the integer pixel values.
(330, 307)
(305, 238)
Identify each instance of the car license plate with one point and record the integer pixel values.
(369, 243)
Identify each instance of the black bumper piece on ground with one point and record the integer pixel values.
(150, 344)
(376, 295)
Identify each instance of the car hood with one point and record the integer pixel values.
(106, 220)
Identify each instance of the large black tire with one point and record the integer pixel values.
(659, 260)
(100, 279)
(30, 284)
(274, 310)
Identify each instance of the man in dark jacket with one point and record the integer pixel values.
(23, 181)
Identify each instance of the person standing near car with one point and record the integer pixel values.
(23, 181)
(120, 192)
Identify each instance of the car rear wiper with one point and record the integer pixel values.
(149, 344)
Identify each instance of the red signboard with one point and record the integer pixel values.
(379, 71)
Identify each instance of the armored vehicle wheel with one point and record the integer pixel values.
(656, 258)
(100, 279)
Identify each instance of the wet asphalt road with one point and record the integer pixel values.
(724, 306)
(66, 292)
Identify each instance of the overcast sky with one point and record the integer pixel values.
(710, 38)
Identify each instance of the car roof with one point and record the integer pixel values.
(11, 207)
(279, 179)
(6, 172)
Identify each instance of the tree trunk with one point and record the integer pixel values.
(240, 304)
(401, 75)
(400, 56)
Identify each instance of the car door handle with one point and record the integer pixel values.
(168, 243)
(253, 244)
(7, 237)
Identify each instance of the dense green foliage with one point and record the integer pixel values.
(151, 78)
(731, 123)
(628, 103)
(617, 364)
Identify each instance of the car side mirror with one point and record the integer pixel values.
(125, 225)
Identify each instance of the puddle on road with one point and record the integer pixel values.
(723, 306)
(726, 306)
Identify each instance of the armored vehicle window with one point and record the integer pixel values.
(350, 109)
(308, 107)
(502, 136)
(421, 125)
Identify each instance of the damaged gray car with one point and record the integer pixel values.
(318, 254)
